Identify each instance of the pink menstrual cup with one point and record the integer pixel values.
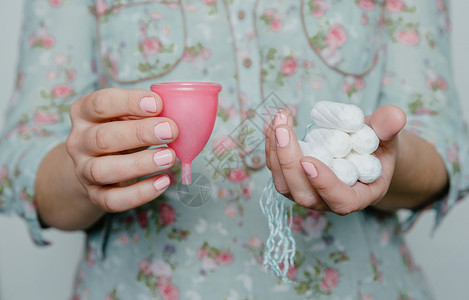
(193, 106)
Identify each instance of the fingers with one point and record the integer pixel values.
(109, 169)
(289, 156)
(118, 199)
(112, 103)
(281, 186)
(340, 198)
(387, 121)
(117, 136)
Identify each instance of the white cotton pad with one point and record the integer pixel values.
(364, 141)
(345, 170)
(345, 117)
(316, 151)
(369, 167)
(336, 141)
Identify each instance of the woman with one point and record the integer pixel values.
(80, 175)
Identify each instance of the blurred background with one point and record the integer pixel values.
(47, 273)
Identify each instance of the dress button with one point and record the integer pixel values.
(255, 160)
(251, 113)
(241, 14)
(247, 62)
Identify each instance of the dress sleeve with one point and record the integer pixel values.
(418, 78)
(55, 68)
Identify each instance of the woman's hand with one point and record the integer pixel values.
(311, 184)
(105, 153)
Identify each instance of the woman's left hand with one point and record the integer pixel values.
(312, 184)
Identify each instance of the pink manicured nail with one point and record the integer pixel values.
(148, 104)
(161, 183)
(310, 170)
(283, 137)
(163, 157)
(280, 119)
(163, 131)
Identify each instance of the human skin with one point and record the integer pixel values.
(95, 171)
(413, 171)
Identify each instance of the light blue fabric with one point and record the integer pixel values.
(266, 54)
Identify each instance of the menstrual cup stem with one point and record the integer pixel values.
(186, 174)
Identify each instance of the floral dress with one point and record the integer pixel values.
(267, 54)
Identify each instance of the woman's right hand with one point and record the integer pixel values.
(111, 131)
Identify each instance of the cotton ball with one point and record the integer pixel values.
(364, 141)
(345, 170)
(345, 117)
(317, 151)
(369, 167)
(336, 141)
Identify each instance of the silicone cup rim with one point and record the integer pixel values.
(193, 86)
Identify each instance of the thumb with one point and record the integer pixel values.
(387, 121)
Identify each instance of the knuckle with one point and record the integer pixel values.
(343, 210)
(281, 188)
(95, 173)
(108, 203)
(98, 104)
(288, 164)
(141, 135)
(100, 138)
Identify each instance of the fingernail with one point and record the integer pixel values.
(310, 170)
(161, 183)
(163, 157)
(163, 131)
(280, 119)
(283, 137)
(148, 104)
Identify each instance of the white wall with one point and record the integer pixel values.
(29, 272)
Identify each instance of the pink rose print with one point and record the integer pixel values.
(289, 66)
(336, 37)
(202, 252)
(61, 91)
(330, 280)
(255, 242)
(353, 85)
(297, 223)
(209, 2)
(3, 173)
(292, 271)
(145, 266)
(71, 75)
(168, 291)
(406, 257)
(167, 214)
(452, 153)
(440, 5)
(161, 270)
(409, 37)
(367, 5)
(224, 258)
(273, 19)
(123, 239)
(55, 3)
(436, 82)
(314, 226)
(44, 118)
(276, 25)
(150, 46)
(319, 8)
(395, 6)
(223, 144)
(231, 211)
(237, 175)
(101, 7)
(48, 41)
(142, 218)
